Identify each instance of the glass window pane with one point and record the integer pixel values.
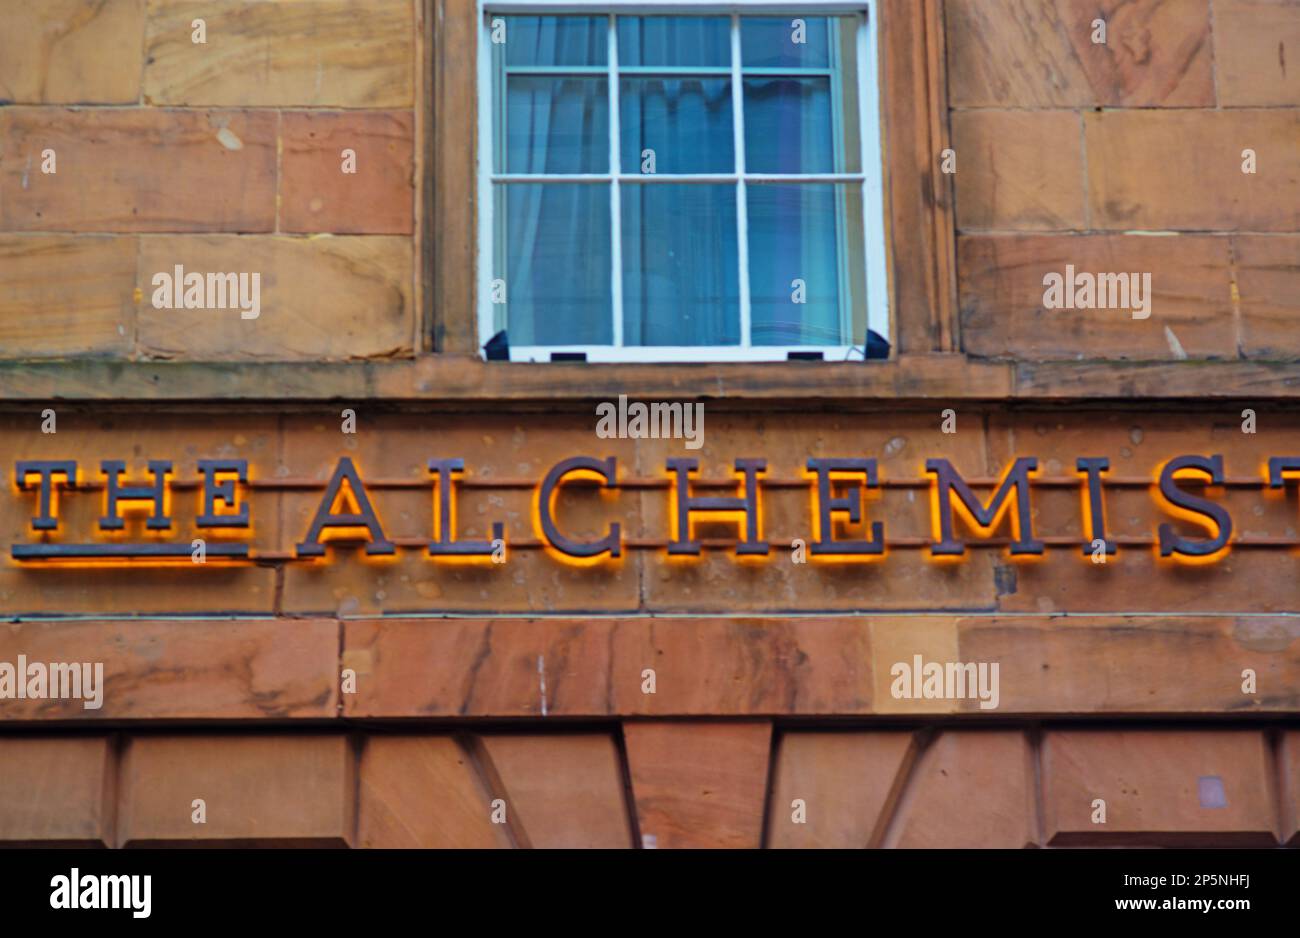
(781, 42)
(557, 125)
(807, 284)
(681, 284)
(790, 128)
(686, 122)
(674, 41)
(553, 252)
(552, 40)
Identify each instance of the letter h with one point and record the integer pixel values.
(746, 503)
(115, 492)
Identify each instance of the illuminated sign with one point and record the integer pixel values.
(837, 488)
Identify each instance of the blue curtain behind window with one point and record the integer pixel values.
(681, 281)
(557, 236)
(792, 238)
(674, 40)
(680, 255)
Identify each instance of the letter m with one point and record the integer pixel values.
(1112, 289)
(65, 680)
(666, 421)
(984, 518)
(223, 290)
(121, 892)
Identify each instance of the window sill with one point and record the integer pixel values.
(466, 381)
(669, 355)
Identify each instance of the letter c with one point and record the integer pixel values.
(589, 466)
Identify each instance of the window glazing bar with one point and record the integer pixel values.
(700, 178)
(742, 213)
(686, 70)
(677, 7)
(615, 195)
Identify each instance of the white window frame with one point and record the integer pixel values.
(871, 178)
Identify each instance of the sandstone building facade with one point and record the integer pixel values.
(387, 690)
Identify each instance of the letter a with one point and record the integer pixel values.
(1054, 295)
(328, 517)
